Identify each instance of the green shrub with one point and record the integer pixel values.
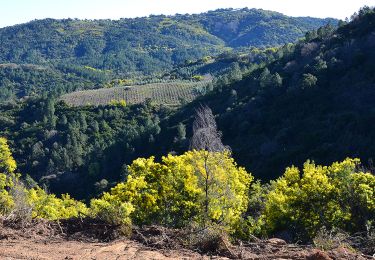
(7, 176)
(111, 209)
(48, 206)
(330, 239)
(335, 196)
(197, 186)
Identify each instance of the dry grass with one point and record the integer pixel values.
(21, 213)
(330, 239)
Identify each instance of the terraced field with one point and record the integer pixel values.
(170, 93)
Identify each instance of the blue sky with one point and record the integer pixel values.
(20, 11)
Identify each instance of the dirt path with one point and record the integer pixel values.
(127, 249)
(42, 240)
(73, 250)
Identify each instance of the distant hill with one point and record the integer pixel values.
(21, 80)
(256, 27)
(150, 44)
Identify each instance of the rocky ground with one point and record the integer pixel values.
(80, 239)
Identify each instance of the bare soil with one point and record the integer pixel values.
(90, 239)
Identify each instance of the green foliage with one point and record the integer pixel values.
(86, 144)
(43, 205)
(258, 103)
(153, 43)
(6, 200)
(270, 126)
(7, 163)
(277, 80)
(60, 56)
(308, 80)
(48, 206)
(207, 59)
(246, 27)
(17, 81)
(7, 167)
(177, 191)
(208, 190)
(118, 103)
(266, 79)
(336, 196)
(111, 209)
(252, 222)
(197, 77)
(181, 132)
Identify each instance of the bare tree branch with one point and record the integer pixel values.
(205, 133)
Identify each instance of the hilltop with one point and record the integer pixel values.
(148, 44)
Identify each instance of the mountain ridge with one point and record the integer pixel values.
(157, 40)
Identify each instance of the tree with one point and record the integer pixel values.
(207, 138)
(308, 80)
(235, 73)
(223, 188)
(112, 210)
(181, 132)
(50, 118)
(174, 192)
(205, 133)
(7, 163)
(82, 121)
(311, 35)
(265, 78)
(63, 120)
(326, 31)
(48, 206)
(319, 64)
(117, 103)
(277, 80)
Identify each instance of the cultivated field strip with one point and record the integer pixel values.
(170, 93)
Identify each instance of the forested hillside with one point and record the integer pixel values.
(23, 80)
(149, 44)
(315, 101)
(78, 150)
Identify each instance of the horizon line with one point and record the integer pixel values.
(164, 14)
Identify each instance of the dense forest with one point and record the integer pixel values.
(142, 44)
(222, 162)
(73, 149)
(313, 102)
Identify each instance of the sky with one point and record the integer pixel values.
(21, 11)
